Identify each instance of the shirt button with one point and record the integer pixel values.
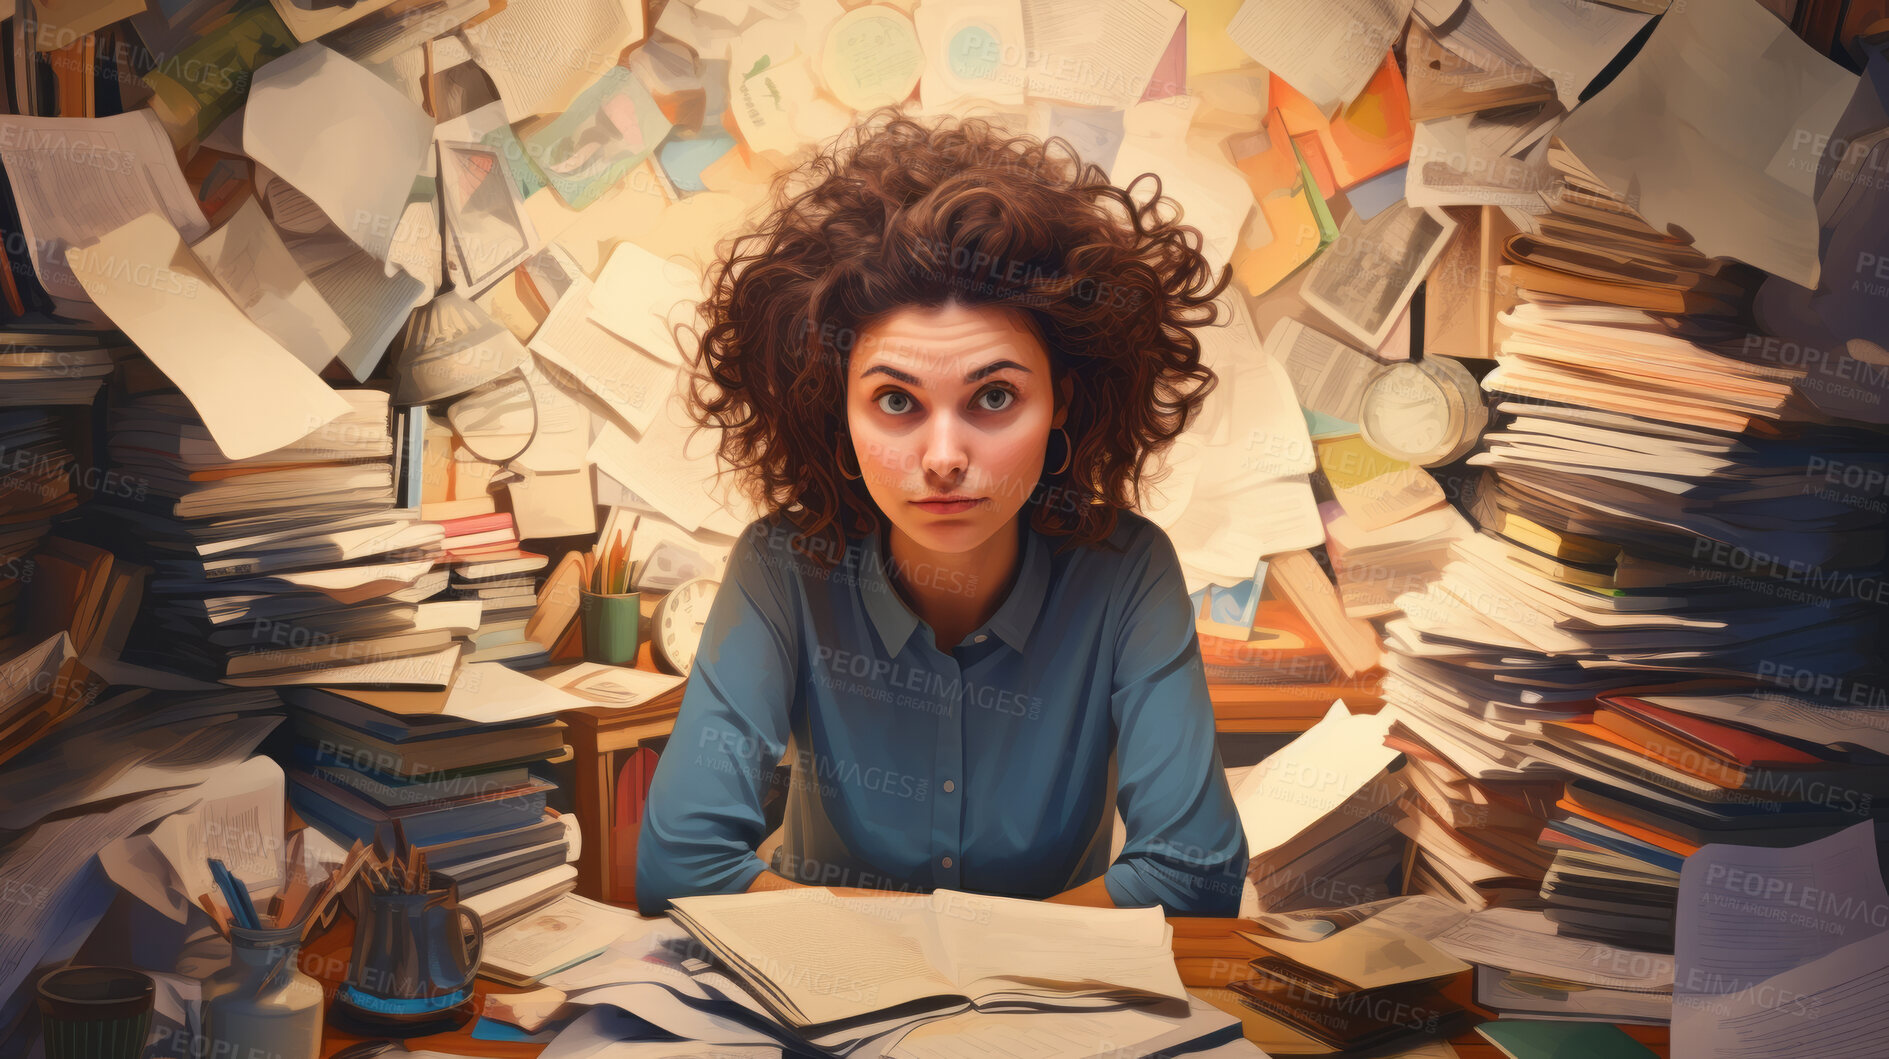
(949, 786)
(979, 638)
(946, 862)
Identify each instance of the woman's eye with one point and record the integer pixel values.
(1005, 399)
(902, 403)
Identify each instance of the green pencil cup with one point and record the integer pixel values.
(610, 626)
(95, 1012)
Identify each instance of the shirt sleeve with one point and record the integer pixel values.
(702, 820)
(1185, 848)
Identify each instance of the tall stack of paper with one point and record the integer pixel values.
(290, 566)
(1657, 520)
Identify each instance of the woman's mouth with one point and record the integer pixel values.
(948, 505)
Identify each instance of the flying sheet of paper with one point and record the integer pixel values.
(638, 297)
(1327, 49)
(253, 394)
(670, 469)
(257, 271)
(76, 179)
(1569, 40)
(1717, 125)
(1215, 197)
(973, 49)
(372, 303)
(340, 135)
(631, 384)
(541, 53)
(1096, 54)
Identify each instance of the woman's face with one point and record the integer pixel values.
(950, 402)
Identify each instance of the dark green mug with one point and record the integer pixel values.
(95, 1012)
(610, 627)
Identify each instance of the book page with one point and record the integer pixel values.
(830, 958)
(1007, 945)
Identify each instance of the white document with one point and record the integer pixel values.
(1782, 951)
(541, 54)
(1526, 942)
(348, 140)
(632, 385)
(259, 274)
(1831, 1008)
(1214, 196)
(567, 931)
(492, 693)
(619, 686)
(1569, 40)
(253, 395)
(1717, 125)
(1327, 49)
(1096, 53)
(76, 179)
(1308, 778)
(373, 304)
(674, 467)
(1327, 375)
(640, 297)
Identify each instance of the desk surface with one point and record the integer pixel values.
(326, 958)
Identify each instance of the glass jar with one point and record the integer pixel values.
(263, 1004)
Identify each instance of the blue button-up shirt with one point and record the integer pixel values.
(996, 767)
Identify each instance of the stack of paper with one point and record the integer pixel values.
(447, 772)
(1320, 819)
(289, 566)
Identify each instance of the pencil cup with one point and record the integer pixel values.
(263, 1003)
(95, 1012)
(610, 626)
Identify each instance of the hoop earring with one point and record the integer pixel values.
(1069, 450)
(841, 463)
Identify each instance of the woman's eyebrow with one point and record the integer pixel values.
(912, 380)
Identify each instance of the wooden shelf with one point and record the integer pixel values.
(1286, 708)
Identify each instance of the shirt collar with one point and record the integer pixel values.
(1012, 623)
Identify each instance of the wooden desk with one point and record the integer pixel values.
(326, 958)
(595, 737)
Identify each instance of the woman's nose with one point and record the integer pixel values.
(945, 455)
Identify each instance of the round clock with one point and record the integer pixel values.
(676, 626)
(1426, 412)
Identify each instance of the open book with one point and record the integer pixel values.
(816, 959)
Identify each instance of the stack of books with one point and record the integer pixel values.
(1655, 526)
(290, 567)
(47, 385)
(488, 566)
(460, 791)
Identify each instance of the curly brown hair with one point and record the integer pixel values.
(901, 213)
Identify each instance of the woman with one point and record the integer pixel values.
(940, 365)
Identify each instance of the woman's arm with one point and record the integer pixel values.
(703, 819)
(1185, 848)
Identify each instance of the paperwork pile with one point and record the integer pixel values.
(1320, 819)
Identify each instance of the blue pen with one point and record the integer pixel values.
(236, 894)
